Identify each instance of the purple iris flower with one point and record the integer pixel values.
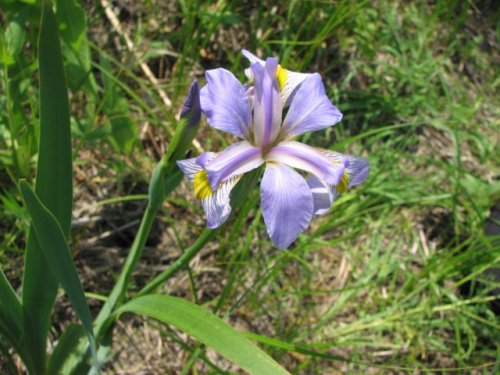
(255, 115)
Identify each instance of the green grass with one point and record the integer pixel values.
(392, 277)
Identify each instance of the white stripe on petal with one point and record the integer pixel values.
(323, 194)
(218, 205)
(290, 85)
(189, 167)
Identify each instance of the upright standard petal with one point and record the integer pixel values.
(216, 203)
(288, 81)
(310, 109)
(301, 156)
(251, 57)
(287, 204)
(356, 170)
(235, 160)
(225, 103)
(267, 103)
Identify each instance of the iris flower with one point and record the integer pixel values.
(254, 114)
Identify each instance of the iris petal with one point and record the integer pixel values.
(290, 83)
(288, 80)
(235, 160)
(287, 204)
(267, 103)
(323, 195)
(216, 203)
(309, 159)
(225, 103)
(356, 168)
(310, 110)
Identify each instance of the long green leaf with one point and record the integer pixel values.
(66, 346)
(207, 328)
(53, 187)
(11, 324)
(4, 350)
(55, 249)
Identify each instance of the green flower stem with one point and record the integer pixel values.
(180, 263)
(118, 293)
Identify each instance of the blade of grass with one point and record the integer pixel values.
(65, 346)
(11, 324)
(207, 328)
(181, 262)
(305, 350)
(53, 186)
(56, 251)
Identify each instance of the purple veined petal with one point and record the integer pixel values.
(189, 167)
(289, 82)
(323, 194)
(310, 110)
(217, 206)
(356, 168)
(235, 160)
(216, 203)
(204, 158)
(253, 59)
(267, 103)
(225, 103)
(301, 156)
(287, 204)
(251, 95)
(192, 166)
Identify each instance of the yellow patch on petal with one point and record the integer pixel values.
(343, 183)
(281, 76)
(201, 185)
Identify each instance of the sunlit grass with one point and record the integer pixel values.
(392, 277)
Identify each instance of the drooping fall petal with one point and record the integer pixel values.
(235, 160)
(287, 204)
(301, 156)
(216, 203)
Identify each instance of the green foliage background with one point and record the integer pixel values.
(393, 277)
